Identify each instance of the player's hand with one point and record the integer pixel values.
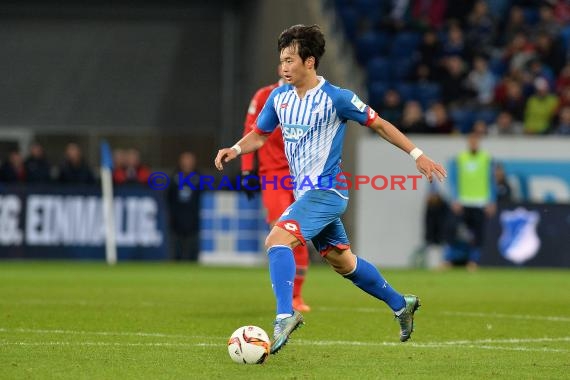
(428, 167)
(224, 155)
(250, 184)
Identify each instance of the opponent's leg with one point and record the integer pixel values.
(301, 254)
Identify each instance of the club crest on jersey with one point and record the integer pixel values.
(284, 105)
(358, 103)
(293, 132)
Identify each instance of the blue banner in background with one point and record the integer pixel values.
(527, 234)
(67, 222)
(539, 181)
(233, 228)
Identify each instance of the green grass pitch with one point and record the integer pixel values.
(62, 320)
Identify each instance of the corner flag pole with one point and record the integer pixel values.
(108, 212)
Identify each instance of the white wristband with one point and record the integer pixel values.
(237, 148)
(416, 153)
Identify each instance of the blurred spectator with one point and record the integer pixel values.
(435, 215)
(428, 13)
(563, 125)
(454, 44)
(473, 194)
(74, 169)
(131, 171)
(391, 108)
(37, 167)
(505, 125)
(518, 52)
(536, 69)
(429, 50)
(540, 108)
(563, 80)
(413, 118)
(504, 192)
(119, 163)
(424, 74)
(399, 14)
(480, 128)
(481, 28)
(550, 52)
(12, 170)
(184, 206)
(516, 24)
(510, 98)
(482, 81)
(564, 99)
(453, 82)
(459, 10)
(437, 119)
(561, 11)
(547, 23)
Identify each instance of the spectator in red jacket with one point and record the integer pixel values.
(129, 168)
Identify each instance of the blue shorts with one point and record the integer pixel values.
(316, 217)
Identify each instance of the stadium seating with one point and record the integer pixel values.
(378, 69)
(388, 55)
(428, 93)
(371, 45)
(376, 91)
(404, 44)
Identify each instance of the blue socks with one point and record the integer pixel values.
(369, 279)
(282, 272)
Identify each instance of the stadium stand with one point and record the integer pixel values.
(424, 49)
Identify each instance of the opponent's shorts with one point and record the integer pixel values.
(316, 217)
(276, 201)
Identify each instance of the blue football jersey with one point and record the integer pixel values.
(313, 131)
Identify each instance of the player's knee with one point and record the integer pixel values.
(279, 236)
(273, 240)
(341, 262)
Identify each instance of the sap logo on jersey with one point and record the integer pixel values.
(293, 132)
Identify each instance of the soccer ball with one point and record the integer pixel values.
(249, 345)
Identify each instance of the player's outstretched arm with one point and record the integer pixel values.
(249, 143)
(425, 165)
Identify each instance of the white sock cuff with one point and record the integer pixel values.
(279, 246)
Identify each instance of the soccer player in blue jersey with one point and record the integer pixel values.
(313, 114)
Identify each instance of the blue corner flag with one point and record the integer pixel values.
(106, 155)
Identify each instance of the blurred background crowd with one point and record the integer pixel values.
(498, 67)
(35, 168)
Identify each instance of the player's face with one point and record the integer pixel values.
(293, 69)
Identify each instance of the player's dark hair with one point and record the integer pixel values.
(309, 40)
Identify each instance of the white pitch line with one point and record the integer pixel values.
(107, 344)
(526, 349)
(107, 333)
(480, 343)
(312, 343)
(509, 316)
(89, 303)
(551, 318)
(429, 344)
(509, 340)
